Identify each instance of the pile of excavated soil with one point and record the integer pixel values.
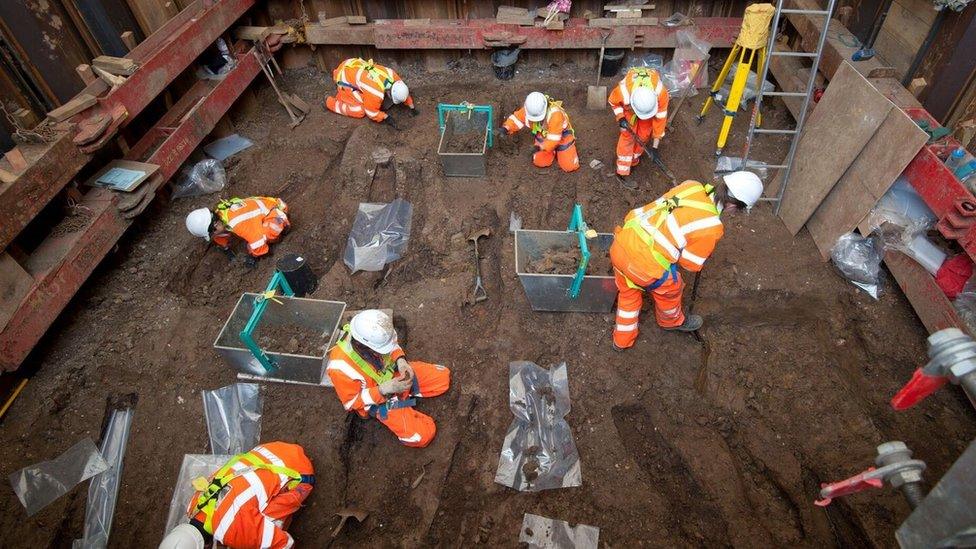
(565, 261)
(794, 393)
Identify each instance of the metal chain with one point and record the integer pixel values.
(42, 133)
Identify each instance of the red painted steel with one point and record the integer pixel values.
(72, 258)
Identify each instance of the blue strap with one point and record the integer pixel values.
(383, 410)
(566, 146)
(348, 85)
(308, 479)
(673, 273)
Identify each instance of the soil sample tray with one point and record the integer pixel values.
(295, 333)
(463, 144)
(546, 262)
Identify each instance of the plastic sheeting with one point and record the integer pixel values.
(226, 147)
(103, 492)
(688, 69)
(379, 235)
(539, 452)
(901, 206)
(546, 533)
(205, 177)
(859, 260)
(194, 465)
(233, 417)
(38, 485)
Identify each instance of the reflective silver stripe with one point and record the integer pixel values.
(626, 327)
(675, 231)
(624, 91)
(367, 397)
(275, 460)
(228, 519)
(412, 438)
(625, 157)
(258, 243)
(346, 369)
(235, 221)
(618, 110)
(696, 259)
(700, 224)
(660, 238)
(371, 89)
(553, 137)
(623, 167)
(661, 114)
(658, 87)
(348, 405)
(518, 123)
(267, 534)
(628, 314)
(372, 113)
(354, 108)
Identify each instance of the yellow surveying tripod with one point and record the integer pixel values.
(750, 45)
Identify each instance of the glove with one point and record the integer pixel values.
(405, 368)
(624, 124)
(229, 253)
(250, 261)
(395, 386)
(414, 111)
(392, 121)
(502, 131)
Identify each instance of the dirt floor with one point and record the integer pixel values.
(675, 450)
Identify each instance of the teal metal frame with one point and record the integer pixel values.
(276, 283)
(442, 109)
(578, 225)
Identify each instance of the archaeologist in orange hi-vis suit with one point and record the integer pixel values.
(679, 229)
(549, 123)
(247, 503)
(639, 102)
(372, 377)
(258, 220)
(361, 88)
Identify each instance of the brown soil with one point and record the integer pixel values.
(464, 142)
(294, 339)
(566, 260)
(795, 391)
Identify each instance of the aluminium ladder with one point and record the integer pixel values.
(787, 165)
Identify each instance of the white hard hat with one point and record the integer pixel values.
(198, 222)
(644, 102)
(535, 106)
(184, 536)
(399, 92)
(744, 186)
(374, 329)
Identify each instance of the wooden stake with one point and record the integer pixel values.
(129, 39)
(86, 74)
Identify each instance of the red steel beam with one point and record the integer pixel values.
(929, 301)
(471, 34)
(69, 260)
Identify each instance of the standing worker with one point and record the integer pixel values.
(679, 229)
(248, 502)
(258, 220)
(372, 377)
(549, 123)
(361, 88)
(640, 104)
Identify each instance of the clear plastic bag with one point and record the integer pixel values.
(380, 234)
(539, 452)
(688, 69)
(194, 466)
(859, 260)
(729, 164)
(514, 222)
(233, 416)
(103, 492)
(38, 485)
(749, 93)
(911, 241)
(545, 533)
(205, 177)
(901, 206)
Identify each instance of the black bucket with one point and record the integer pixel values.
(503, 60)
(295, 269)
(612, 59)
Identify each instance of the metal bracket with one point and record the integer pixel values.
(468, 108)
(277, 282)
(578, 225)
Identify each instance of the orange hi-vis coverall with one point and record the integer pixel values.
(258, 220)
(249, 501)
(360, 88)
(554, 136)
(628, 150)
(356, 382)
(679, 229)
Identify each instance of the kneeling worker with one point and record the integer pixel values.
(549, 123)
(372, 377)
(259, 221)
(248, 502)
(679, 229)
(362, 86)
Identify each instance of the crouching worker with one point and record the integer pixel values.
(248, 502)
(679, 229)
(549, 123)
(361, 88)
(259, 221)
(372, 377)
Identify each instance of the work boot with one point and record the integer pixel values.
(627, 183)
(691, 323)
(616, 348)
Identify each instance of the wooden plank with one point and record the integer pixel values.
(607, 22)
(80, 102)
(869, 177)
(115, 65)
(109, 78)
(15, 282)
(844, 121)
(627, 7)
(510, 15)
(356, 19)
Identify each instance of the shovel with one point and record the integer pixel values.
(479, 293)
(654, 158)
(347, 513)
(596, 96)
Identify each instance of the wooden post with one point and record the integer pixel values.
(86, 74)
(129, 39)
(16, 159)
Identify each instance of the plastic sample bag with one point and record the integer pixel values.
(103, 492)
(194, 466)
(539, 452)
(751, 90)
(688, 69)
(729, 164)
(859, 260)
(39, 484)
(901, 206)
(546, 533)
(379, 235)
(233, 416)
(205, 177)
